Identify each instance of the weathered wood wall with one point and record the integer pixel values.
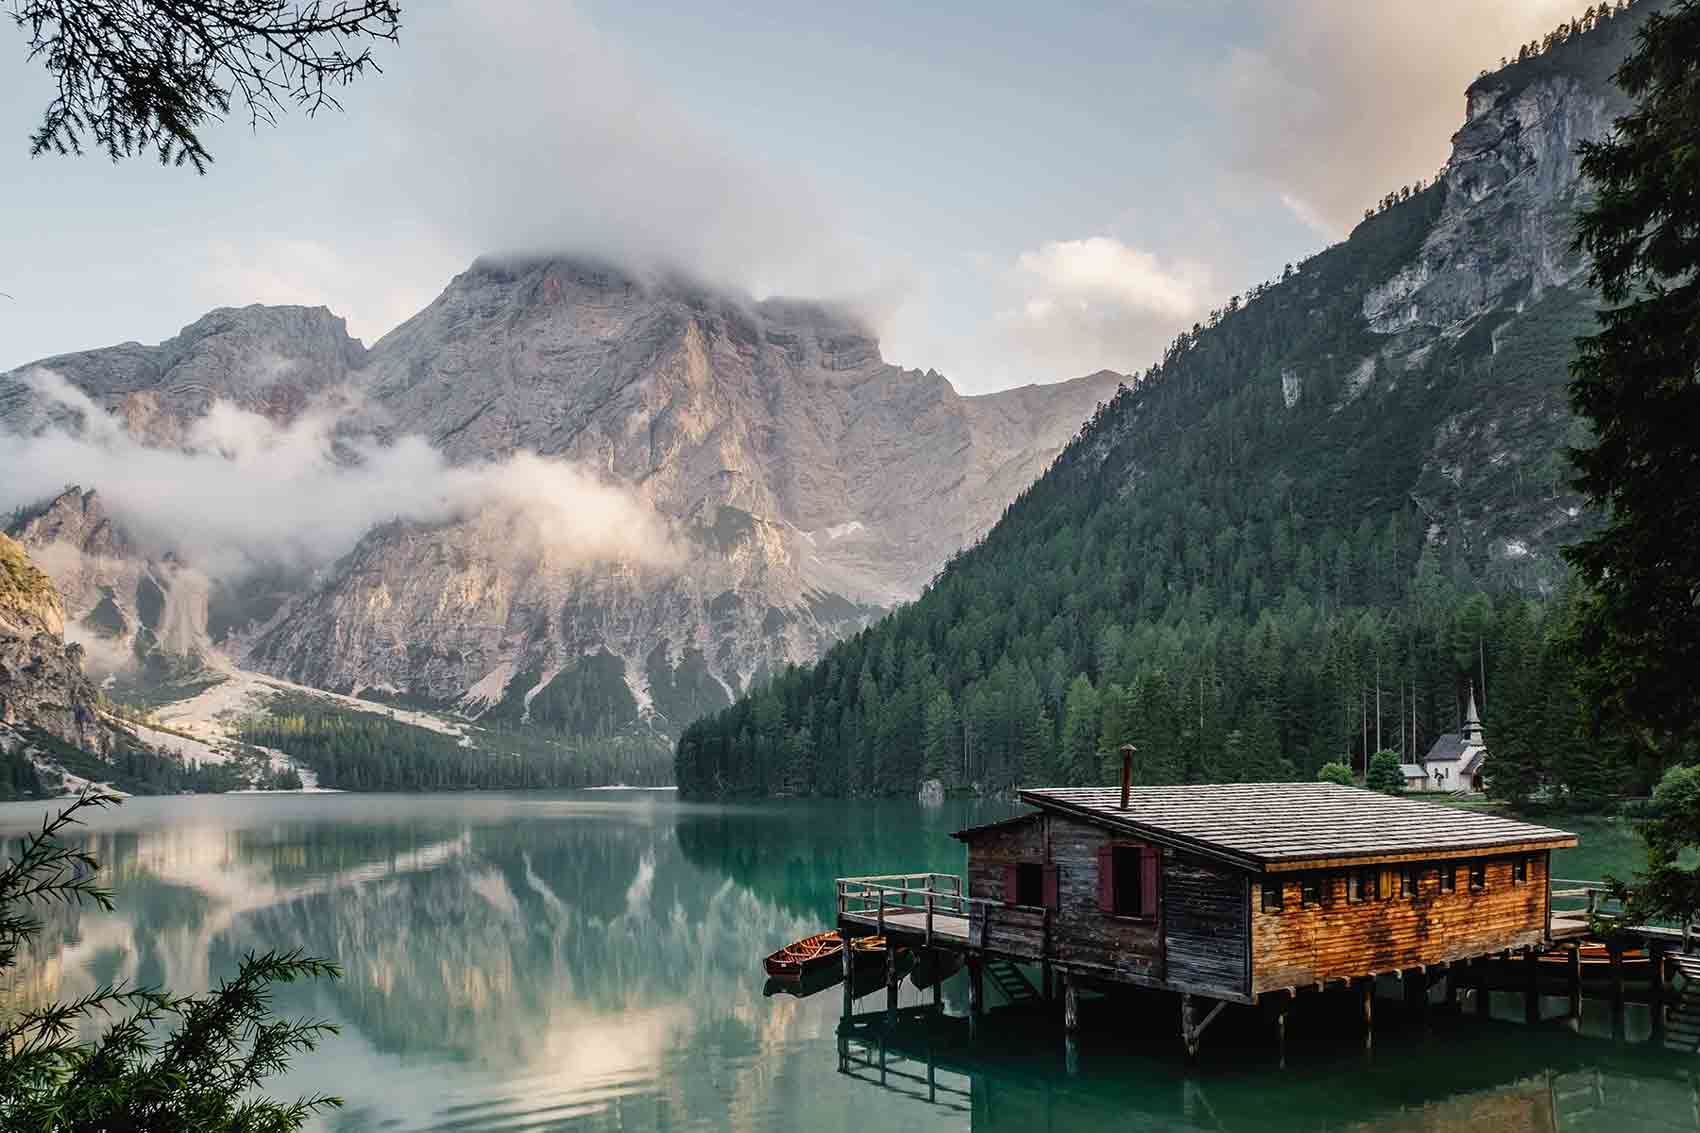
(1085, 937)
(1081, 936)
(1012, 930)
(1338, 939)
(1205, 935)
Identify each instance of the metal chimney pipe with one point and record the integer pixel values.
(1128, 751)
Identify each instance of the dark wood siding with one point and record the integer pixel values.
(1206, 935)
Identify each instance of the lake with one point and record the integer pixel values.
(591, 960)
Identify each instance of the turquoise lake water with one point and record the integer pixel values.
(592, 961)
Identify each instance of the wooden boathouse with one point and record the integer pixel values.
(1224, 893)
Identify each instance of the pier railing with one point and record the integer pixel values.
(1016, 929)
(929, 894)
(1586, 897)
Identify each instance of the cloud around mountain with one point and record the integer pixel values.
(241, 491)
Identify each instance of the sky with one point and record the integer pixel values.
(1009, 193)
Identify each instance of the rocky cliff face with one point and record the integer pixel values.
(1489, 307)
(810, 483)
(42, 684)
(804, 483)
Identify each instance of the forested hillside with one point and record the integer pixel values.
(1296, 540)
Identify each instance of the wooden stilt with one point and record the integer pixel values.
(1573, 980)
(1416, 993)
(1071, 1004)
(1532, 986)
(1192, 1030)
(1615, 949)
(1484, 995)
(938, 995)
(976, 994)
(891, 981)
(1188, 1039)
(1366, 998)
(849, 982)
(1656, 954)
(1450, 995)
(1047, 981)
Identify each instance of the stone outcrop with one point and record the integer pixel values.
(42, 685)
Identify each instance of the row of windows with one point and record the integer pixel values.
(1372, 883)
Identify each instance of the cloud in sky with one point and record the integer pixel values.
(1341, 101)
(1097, 302)
(550, 139)
(242, 491)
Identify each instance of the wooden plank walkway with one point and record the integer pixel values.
(947, 929)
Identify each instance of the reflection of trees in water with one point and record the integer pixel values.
(791, 853)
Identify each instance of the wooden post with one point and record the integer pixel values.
(1188, 1038)
(1449, 995)
(1416, 992)
(1615, 948)
(938, 995)
(1047, 981)
(1484, 995)
(890, 982)
(1071, 1004)
(1283, 1001)
(1532, 986)
(1656, 956)
(1573, 972)
(976, 994)
(1366, 996)
(849, 976)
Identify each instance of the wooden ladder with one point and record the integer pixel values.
(1682, 1032)
(1011, 981)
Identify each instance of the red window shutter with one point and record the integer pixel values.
(1148, 880)
(1011, 883)
(1106, 879)
(1051, 899)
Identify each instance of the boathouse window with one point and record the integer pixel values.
(1408, 881)
(1519, 870)
(1365, 885)
(1272, 896)
(1311, 889)
(1127, 880)
(1448, 878)
(1031, 884)
(1478, 875)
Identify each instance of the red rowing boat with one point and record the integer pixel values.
(806, 955)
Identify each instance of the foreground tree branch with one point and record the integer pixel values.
(163, 1063)
(140, 75)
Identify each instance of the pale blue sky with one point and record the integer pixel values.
(1013, 192)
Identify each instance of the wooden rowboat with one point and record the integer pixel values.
(809, 954)
(1598, 956)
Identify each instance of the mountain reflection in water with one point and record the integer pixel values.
(593, 961)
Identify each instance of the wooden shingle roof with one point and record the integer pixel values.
(1276, 827)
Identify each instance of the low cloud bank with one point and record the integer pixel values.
(243, 492)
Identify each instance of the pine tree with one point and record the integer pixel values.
(1638, 382)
